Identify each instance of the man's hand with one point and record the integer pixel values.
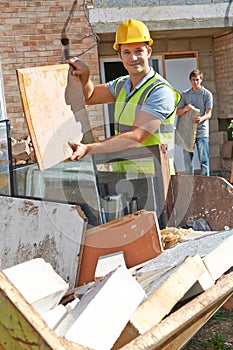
(79, 69)
(188, 108)
(79, 150)
(183, 111)
(197, 119)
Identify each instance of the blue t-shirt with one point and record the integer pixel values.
(161, 101)
(201, 99)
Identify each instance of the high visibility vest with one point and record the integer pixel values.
(125, 114)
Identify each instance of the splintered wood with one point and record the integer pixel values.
(178, 328)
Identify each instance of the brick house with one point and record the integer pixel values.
(186, 33)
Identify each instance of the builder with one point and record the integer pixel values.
(145, 103)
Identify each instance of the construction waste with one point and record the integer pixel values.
(122, 305)
(22, 151)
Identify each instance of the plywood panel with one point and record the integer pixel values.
(185, 135)
(34, 228)
(54, 110)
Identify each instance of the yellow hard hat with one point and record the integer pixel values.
(132, 31)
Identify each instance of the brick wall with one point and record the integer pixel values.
(224, 74)
(224, 83)
(31, 36)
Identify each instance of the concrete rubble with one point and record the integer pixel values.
(22, 151)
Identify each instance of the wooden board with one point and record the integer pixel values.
(179, 327)
(34, 228)
(185, 134)
(55, 111)
(161, 302)
(137, 235)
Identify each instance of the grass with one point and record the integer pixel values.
(217, 342)
(221, 315)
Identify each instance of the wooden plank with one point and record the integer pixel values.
(34, 228)
(162, 300)
(137, 235)
(21, 327)
(185, 134)
(178, 328)
(204, 282)
(55, 111)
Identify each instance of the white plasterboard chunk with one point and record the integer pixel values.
(54, 316)
(204, 282)
(108, 263)
(34, 228)
(102, 313)
(37, 281)
(70, 306)
(220, 260)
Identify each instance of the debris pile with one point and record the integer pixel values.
(122, 305)
(22, 151)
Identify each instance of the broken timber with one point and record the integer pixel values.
(177, 329)
(161, 302)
